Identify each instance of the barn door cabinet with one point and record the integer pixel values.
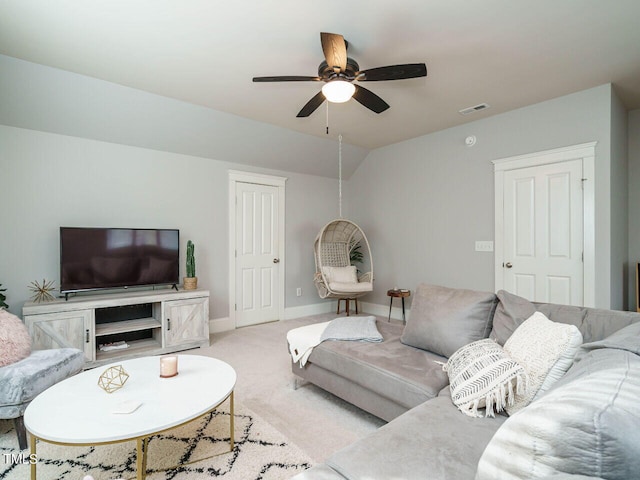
(147, 322)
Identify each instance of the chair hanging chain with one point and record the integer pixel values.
(340, 174)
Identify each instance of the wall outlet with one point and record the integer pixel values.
(298, 292)
(484, 246)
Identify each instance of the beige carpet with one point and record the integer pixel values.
(315, 421)
(200, 449)
(318, 422)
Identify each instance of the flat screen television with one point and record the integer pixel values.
(101, 258)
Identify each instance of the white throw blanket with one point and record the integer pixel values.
(303, 339)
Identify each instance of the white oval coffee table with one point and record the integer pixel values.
(77, 411)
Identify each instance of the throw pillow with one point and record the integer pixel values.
(444, 319)
(340, 274)
(587, 424)
(15, 342)
(546, 350)
(481, 375)
(511, 311)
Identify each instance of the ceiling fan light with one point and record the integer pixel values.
(338, 91)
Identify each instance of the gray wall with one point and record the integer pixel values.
(619, 205)
(51, 180)
(425, 201)
(51, 100)
(634, 203)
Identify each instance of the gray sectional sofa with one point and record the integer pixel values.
(586, 425)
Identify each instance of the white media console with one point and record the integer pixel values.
(149, 322)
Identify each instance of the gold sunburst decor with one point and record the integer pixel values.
(113, 378)
(42, 292)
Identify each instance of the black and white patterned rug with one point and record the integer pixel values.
(200, 450)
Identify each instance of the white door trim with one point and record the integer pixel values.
(235, 177)
(584, 151)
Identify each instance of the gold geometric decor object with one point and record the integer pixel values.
(113, 378)
(42, 291)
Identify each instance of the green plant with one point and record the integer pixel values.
(3, 297)
(191, 260)
(355, 255)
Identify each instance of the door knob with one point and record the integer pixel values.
(508, 265)
(276, 260)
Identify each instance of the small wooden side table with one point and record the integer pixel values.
(397, 293)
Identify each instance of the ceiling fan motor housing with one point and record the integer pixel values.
(328, 73)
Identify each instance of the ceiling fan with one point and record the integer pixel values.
(339, 73)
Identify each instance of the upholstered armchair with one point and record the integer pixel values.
(24, 374)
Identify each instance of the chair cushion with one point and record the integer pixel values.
(357, 287)
(444, 319)
(15, 342)
(20, 382)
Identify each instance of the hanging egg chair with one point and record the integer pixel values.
(335, 275)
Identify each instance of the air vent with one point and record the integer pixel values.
(477, 108)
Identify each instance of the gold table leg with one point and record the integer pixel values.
(141, 458)
(33, 457)
(231, 422)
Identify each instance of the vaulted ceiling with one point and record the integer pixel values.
(507, 54)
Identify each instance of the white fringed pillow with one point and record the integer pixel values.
(15, 342)
(482, 375)
(546, 350)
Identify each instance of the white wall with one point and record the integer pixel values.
(424, 202)
(50, 180)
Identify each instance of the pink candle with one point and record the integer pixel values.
(168, 366)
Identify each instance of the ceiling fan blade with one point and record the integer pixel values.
(285, 78)
(335, 50)
(393, 72)
(312, 105)
(370, 100)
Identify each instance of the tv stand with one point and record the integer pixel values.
(148, 322)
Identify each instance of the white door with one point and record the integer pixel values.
(257, 262)
(543, 232)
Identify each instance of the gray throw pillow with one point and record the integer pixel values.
(511, 312)
(444, 319)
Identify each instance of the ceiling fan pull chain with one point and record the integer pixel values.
(339, 173)
(327, 118)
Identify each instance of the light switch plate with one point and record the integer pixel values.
(484, 246)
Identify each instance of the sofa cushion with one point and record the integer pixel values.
(546, 350)
(594, 324)
(15, 342)
(432, 441)
(376, 366)
(482, 375)
(587, 424)
(511, 312)
(444, 319)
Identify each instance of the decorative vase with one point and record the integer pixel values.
(190, 283)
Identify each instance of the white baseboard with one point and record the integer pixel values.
(218, 325)
(225, 324)
(383, 310)
(306, 310)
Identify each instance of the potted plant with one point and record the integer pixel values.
(191, 281)
(3, 297)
